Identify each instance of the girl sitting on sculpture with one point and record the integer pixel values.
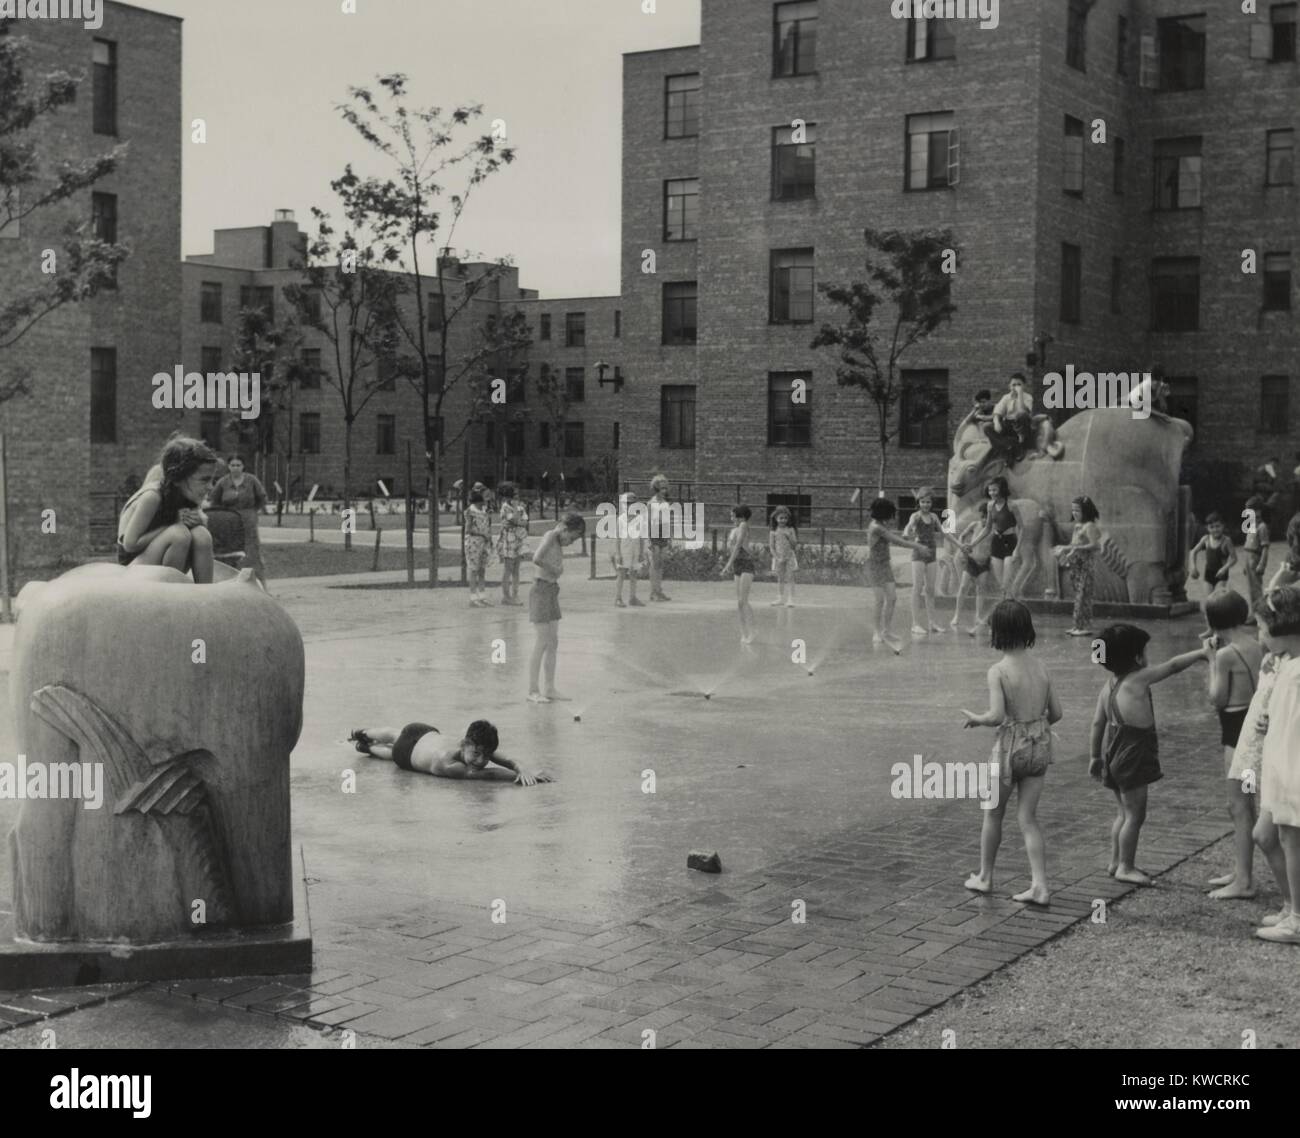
(161, 523)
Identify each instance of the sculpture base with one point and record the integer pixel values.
(1116, 610)
(264, 952)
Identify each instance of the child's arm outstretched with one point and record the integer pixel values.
(1153, 674)
(997, 711)
(898, 539)
(521, 776)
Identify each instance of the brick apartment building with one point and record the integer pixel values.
(521, 440)
(89, 420)
(1111, 255)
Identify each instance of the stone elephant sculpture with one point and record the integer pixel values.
(1128, 466)
(188, 700)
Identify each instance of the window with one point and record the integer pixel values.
(931, 158)
(1120, 171)
(209, 360)
(1076, 35)
(789, 419)
(1277, 281)
(930, 38)
(386, 435)
(210, 302)
(794, 163)
(104, 60)
(386, 365)
(517, 385)
(1182, 53)
(792, 286)
(103, 220)
(799, 505)
(1123, 47)
(575, 385)
(1116, 285)
(1280, 158)
(1184, 398)
(103, 395)
(1282, 17)
(682, 106)
(544, 435)
(437, 311)
(514, 436)
(923, 410)
(574, 440)
(544, 326)
(1178, 173)
(310, 369)
(1072, 173)
(311, 305)
(210, 428)
(618, 323)
(438, 429)
(1275, 405)
(259, 297)
(794, 45)
(1071, 283)
(681, 209)
(679, 312)
(614, 445)
(1175, 294)
(575, 329)
(309, 433)
(677, 417)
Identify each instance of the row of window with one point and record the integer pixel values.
(1171, 60)
(575, 327)
(789, 423)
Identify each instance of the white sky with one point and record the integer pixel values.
(266, 75)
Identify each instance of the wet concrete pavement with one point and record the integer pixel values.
(786, 774)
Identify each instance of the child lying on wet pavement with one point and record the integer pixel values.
(420, 747)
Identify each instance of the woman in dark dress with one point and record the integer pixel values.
(243, 493)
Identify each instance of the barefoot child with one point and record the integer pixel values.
(1234, 677)
(1079, 560)
(880, 573)
(1280, 775)
(631, 550)
(740, 565)
(544, 605)
(1022, 706)
(924, 528)
(1220, 554)
(974, 565)
(1258, 540)
(1125, 750)
(419, 747)
(512, 542)
(478, 540)
(660, 535)
(1247, 762)
(161, 523)
(783, 544)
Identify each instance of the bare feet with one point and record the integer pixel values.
(537, 697)
(555, 697)
(894, 643)
(1034, 895)
(1234, 892)
(1110, 869)
(1132, 876)
(978, 884)
(1223, 879)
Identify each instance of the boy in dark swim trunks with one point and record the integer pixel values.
(1125, 751)
(420, 747)
(544, 606)
(1220, 554)
(1234, 675)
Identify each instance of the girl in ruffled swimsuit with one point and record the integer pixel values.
(1022, 706)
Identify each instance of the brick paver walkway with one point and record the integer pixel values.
(890, 934)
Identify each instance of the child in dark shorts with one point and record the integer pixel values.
(1125, 750)
(413, 748)
(544, 606)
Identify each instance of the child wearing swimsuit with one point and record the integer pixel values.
(1220, 554)
(740, 565)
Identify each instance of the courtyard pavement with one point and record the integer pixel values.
(606, 934)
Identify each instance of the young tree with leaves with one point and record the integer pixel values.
(86, 265)
(426, 146)
(909, 288)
